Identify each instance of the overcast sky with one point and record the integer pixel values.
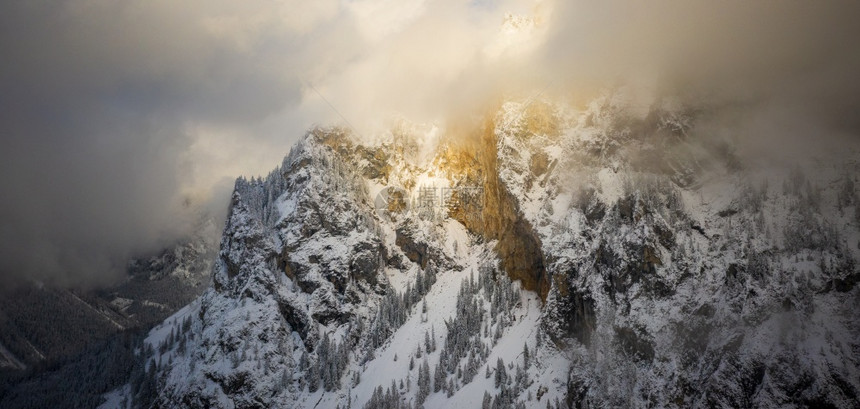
(115, 113)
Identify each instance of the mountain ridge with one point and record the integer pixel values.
(667, 274)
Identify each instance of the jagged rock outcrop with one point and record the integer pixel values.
(495, 214)
(518, 245)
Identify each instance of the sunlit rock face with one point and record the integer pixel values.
(652, 266)
(499, 217)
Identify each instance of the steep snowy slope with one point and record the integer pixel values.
(548, 257)
(318, 301)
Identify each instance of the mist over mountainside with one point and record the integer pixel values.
(549, 255)
(46, 330)
(110, 126)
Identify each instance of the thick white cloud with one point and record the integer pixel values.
(113, 113)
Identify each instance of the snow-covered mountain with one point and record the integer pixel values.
(546, 257)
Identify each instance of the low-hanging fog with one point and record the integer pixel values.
(121, 120)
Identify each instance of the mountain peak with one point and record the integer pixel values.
(357, 274)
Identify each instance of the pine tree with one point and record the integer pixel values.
(519, 379)
(438, 378)
(313, 378)
(501, 374)
(525, 355)
(423, 382)
(234, 359)
(419, 284)
(303, 361)
(427, 341)
(285, 380)
(539, 336)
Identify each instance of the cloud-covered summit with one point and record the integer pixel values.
(117, 114)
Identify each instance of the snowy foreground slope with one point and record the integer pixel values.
(650, 267)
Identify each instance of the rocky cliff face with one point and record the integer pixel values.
(684, 278)
(651, 267)
(495, 215)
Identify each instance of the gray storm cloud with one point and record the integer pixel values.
(114, 114)
(98, 106)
